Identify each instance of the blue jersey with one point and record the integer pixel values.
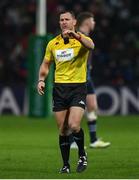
(90, 84)
(89, 67)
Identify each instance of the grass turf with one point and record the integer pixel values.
(29, 149)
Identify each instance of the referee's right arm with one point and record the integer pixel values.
(44, 69)
(43, 73)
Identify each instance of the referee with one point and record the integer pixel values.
(69, 51)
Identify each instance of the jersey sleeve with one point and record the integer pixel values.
(48, 53)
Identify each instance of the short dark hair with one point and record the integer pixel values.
(83, 16)
(68, 11)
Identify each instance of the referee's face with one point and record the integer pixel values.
(67, 21)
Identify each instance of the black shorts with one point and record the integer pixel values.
(90, 87)
(66, 95)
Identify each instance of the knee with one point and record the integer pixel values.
(92, 107)
(74, 127)
(61, 132)
(64, 130)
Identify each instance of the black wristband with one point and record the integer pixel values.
(40, 80)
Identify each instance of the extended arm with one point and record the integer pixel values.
(88, 43)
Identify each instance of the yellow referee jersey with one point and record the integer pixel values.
(70, 59)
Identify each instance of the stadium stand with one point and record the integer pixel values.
(115, 58)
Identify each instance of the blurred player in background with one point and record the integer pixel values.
(69, 51)
(86, 24)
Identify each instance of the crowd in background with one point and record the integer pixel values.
(17, 22)
(115, 58)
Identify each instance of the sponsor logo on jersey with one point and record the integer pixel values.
(65, 54)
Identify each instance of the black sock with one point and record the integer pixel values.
(65, 149)
(79, 139)
(71, 138)
(92, 130)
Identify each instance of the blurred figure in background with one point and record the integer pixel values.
(86, 24)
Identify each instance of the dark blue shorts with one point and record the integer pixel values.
(90, 87)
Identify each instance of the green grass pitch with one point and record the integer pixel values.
(29, 149)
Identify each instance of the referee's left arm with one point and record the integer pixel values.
(84, 40)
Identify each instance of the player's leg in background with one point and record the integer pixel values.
(91, 114)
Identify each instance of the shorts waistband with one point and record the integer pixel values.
(70, 84)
